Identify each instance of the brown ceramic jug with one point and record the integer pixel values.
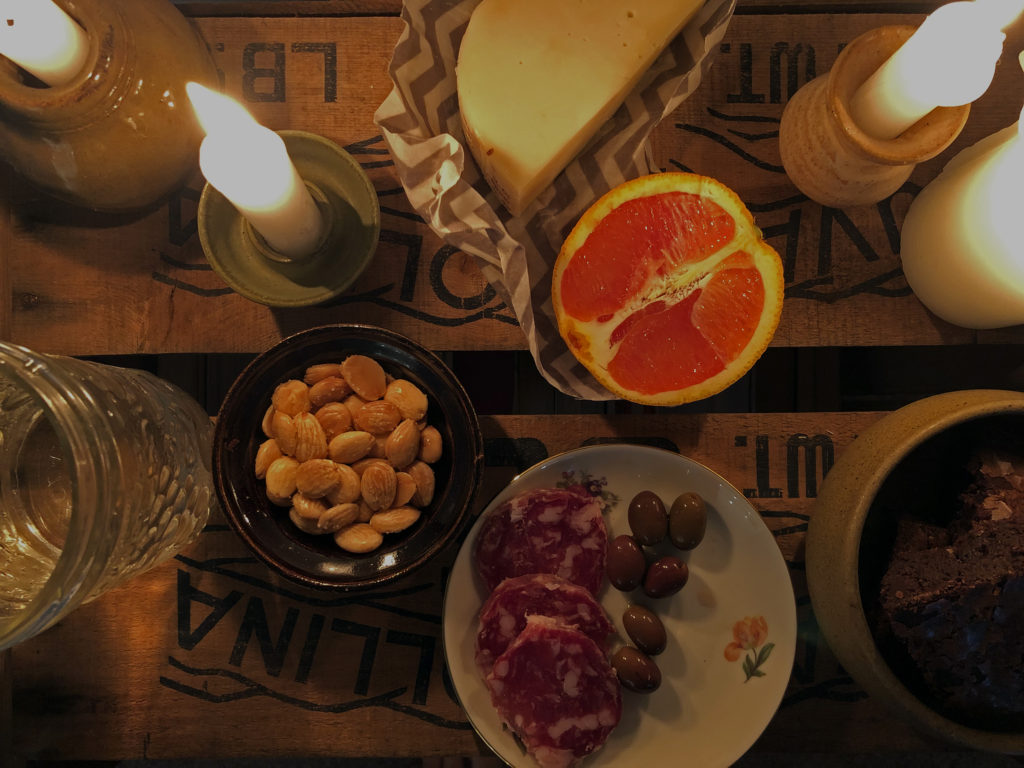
(120, 135)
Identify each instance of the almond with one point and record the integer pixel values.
(267, 424)
(430, 445)
(350, 447)
(394, 520)
(266, 454)
(424, 477)
(349, 486)
(303, 524)
(403, 445)
(333, 389)
(405, 488)
(378, 417)
(365, 513)
(378, 485)
(338, 517)
(358, 538)
(365, 376)
(282, 429)
(335, 419)
(321, 371)
(353, 403)
(281, 480)
(310, 440)
(408, 398)
(361, 465)
(304, 506)
(379, 448)
(291, 397)
(317, 477)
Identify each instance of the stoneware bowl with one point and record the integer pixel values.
(930, 440)
(317, 560)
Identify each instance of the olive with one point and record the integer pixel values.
(665, 577)
(687, 520)
(647, 518)
(625, 564)
(636, 672)
(645, 629)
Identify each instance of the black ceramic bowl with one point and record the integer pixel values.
(317, 560)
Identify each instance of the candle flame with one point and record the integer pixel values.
(215, 111)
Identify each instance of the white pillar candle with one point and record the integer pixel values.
(249, 165)
(42, 39)
(948, 62)
(961, 248)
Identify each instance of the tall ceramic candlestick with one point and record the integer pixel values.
(42, 39)
(961, 247)
(249, 165)
(948, 62)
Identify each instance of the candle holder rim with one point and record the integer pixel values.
(344, 180)
(929, 136)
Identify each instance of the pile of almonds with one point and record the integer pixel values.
(348, 451)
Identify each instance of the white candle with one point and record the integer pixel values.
(249, 165)
(42, 39)
(961, 248)
(948, 62)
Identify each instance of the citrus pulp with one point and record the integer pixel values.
(666, 290)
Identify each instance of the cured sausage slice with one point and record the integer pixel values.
(556, 690)
(504, 614)
(546, 530)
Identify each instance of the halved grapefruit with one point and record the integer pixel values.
(665, 289)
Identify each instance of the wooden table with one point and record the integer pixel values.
(211, 655)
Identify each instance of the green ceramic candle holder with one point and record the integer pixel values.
(253, 269)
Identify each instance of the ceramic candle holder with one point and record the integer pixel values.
(253, 269)
(120, 135)
(829, 158)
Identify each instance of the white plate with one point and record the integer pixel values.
(705, 709)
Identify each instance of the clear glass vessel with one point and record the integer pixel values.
(104, 472)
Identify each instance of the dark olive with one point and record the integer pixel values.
(647, 518)
(636, 672)
(645, 629)
(687, 520)
(665, 577)
(626, 563)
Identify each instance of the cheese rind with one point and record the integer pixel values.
(538, 78)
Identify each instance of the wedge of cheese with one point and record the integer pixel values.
(538, 78)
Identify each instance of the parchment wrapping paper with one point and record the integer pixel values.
(419, 121)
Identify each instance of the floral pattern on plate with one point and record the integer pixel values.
(749, 634)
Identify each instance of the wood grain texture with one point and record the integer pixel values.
(212, 655)
(394, 7)
(85, 284)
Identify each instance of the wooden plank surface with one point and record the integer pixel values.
(85, 284)
(212, 655)
(394, 7)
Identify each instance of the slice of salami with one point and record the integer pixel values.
(504, 613)
(548, 530)
(556, 690)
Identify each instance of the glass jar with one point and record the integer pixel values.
(104, 472)
(122, 134)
